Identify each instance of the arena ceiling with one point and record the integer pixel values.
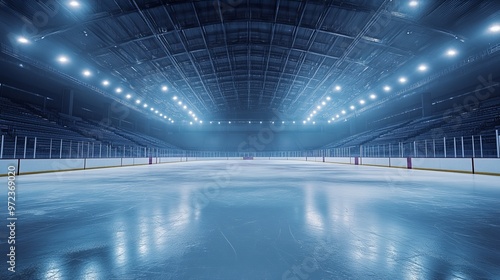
(245, 60)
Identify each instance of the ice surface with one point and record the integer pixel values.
(255, 220)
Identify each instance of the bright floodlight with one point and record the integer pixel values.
(185, 107)
(195, 119)
(373, 96)
(152, 109)
(328, 98)
(314, 112)
(128, 96)
(338, 88)
(329, 121)
(161, 115)
(308, 119)
(337, 116)
(138, 101)
(164, 117)
(387, 88)
(422, 68)
(156, 112)
(343, 112)
(229, 122)
(23, 40)
(314, 122)
(86, 73)
(174, 98)
(323, 103)
(352, 107)
(333, 119)
(62, 59)
(190, 123)
(318, 107)
(201, 122)
(118, 90)
(495, 28)
(283, 122)
(164, 88)
(403, 80)
(105, 83)
(304, 122)
(172, 121)
(413, 3)
(180, 103)
(293, 122)
(74, 4)
(451, 52)
(145, 105)
(361, 102)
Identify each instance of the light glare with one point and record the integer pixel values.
(495, 28)
(23, 40)
(451, 52)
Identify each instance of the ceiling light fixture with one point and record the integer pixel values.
(451, 52)
(422, 68)
(495, 28)
(63, 59)
(23, 40)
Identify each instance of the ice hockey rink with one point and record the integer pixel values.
(256, 220)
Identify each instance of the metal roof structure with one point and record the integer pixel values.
(245, 59)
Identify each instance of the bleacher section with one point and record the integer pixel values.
(24, 122)
(481, 121)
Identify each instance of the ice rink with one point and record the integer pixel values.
(254, 220)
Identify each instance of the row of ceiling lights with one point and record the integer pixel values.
(87, 73)
(387, 88)
(129, 96)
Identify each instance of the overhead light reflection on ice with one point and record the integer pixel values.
(159, 230)
(313, 217)
(53, 271)
(92, 270)
(143, 236)
(120, 245)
